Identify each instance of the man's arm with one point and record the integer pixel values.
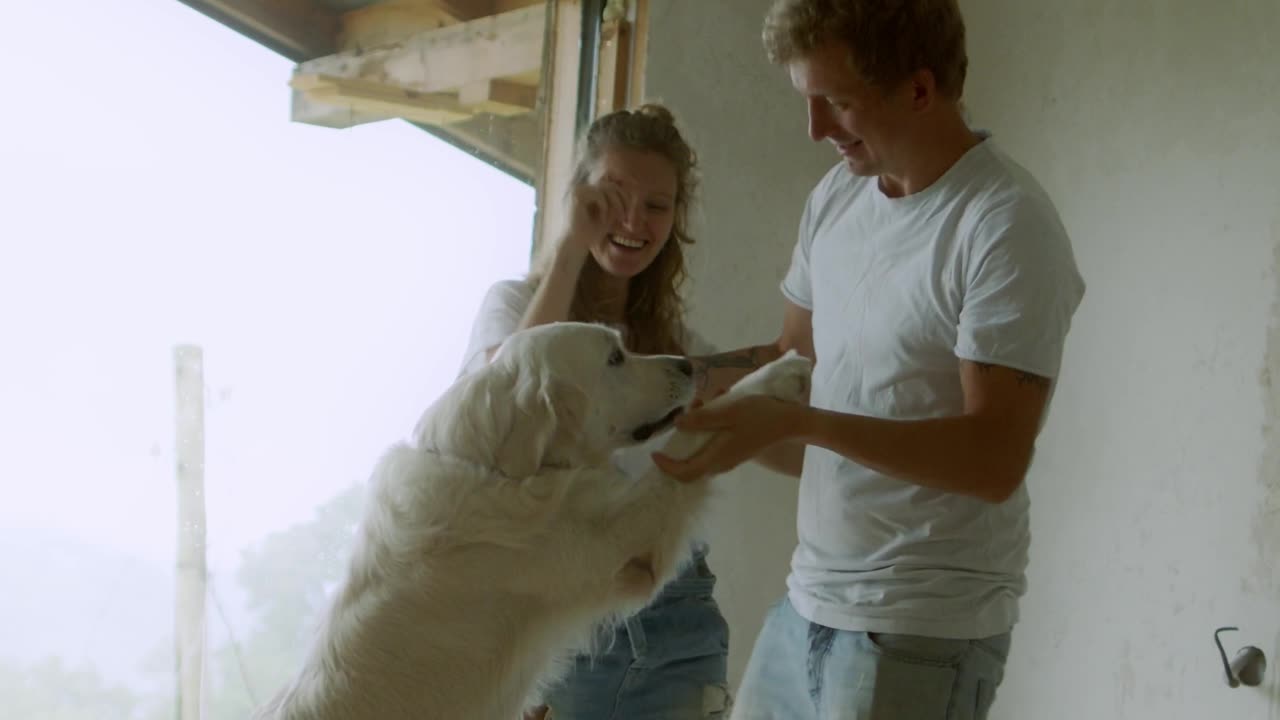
(983, 452)
(717, 373)
(787, 458)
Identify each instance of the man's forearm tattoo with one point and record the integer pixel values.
(1022, 377)
(744, 359)
(1037, 381)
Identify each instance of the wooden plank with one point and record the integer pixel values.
(501, 6)
(462, 10)
(447, 58)
(189, 613)
(393, 21)
(499, 97)
(297, 29)
(638, 53)
(373, 99)
(614, 66)
(561, 121)
(313, 111)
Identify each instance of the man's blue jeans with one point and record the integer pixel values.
(803, 671)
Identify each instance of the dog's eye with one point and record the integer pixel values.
(617, 357)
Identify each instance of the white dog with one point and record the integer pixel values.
(499, 537)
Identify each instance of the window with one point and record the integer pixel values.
(165, 203)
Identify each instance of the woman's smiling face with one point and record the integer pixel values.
(648, 183)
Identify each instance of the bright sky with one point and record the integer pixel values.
(153, 191)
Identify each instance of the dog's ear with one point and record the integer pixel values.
(525, 425)
(513, 418)
(543, 427)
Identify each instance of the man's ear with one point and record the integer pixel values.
(922, 87)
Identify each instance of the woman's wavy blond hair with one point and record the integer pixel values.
(654, 312)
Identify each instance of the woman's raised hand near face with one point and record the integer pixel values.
(594, 210)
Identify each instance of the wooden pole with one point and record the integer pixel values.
(565, 18)
(189, 622)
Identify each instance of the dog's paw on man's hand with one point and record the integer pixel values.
(764, 408)
(742, 428)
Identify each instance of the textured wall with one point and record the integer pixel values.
(1156, 126)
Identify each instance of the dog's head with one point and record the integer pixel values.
(559, 395)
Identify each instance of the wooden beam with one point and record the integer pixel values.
(638, 52)
(393, 21)
(462, 10)
(410, 79)
(313, 111)
(447, 58)
(192, 570)
(614, 66)
(375, 99)
(499, 97)
(561, 123)
(298, 29)
(501, 6)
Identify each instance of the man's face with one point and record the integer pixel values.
(866, 125)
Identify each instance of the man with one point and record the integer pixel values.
(934, 286)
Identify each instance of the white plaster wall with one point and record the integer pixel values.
(1156, 127)
(1156, 489)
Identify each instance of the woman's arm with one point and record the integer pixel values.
(592, 210)
(554, 296)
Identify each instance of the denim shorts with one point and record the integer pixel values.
(667, 662)
(804, 671)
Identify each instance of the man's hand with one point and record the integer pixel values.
(743, 428)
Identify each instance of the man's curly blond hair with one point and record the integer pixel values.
(888, 40)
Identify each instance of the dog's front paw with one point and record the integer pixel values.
(787, 378)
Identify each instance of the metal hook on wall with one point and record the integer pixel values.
(1249, 665)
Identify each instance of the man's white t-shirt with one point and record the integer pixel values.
(977, 266)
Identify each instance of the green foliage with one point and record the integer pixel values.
(50, 690)
(285, 580)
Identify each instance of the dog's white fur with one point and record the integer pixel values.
(499, 536)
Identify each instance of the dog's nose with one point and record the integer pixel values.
(685, 367)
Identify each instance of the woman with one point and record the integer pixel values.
(621, 262)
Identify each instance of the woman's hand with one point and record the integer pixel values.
(594, 210)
